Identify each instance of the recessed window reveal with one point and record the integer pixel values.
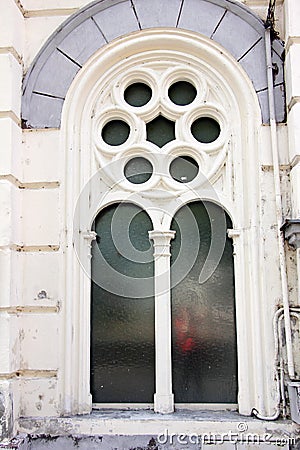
(182, 93)
(115, 132)
(138, 94)
(205, 129)
(138, 170)
(184, 169)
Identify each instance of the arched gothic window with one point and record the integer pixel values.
(122, 311)
(123, 322)
(204, 355)
(160, 129)
(162, 125)
(160, 108)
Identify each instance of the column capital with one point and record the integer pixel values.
(232, 233)
(161, 241)
(89, 236)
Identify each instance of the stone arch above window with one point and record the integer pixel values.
(232, 25)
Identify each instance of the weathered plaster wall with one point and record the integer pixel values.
(29, 244)
(31, 172)
(292, 39)
(11, 50)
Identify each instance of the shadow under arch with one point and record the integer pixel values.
(204, 342)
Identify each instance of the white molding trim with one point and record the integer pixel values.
(238, 194)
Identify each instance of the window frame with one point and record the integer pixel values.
(80, 170)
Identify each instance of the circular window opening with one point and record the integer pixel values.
(205, 129)
(138, 94)
(138, 170)
(184, 169)
(115, 132)
(182, 93)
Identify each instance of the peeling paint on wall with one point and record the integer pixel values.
(6, 416)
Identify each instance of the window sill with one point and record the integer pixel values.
(178, 406)
(216, 425)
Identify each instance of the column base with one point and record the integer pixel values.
(164, 404)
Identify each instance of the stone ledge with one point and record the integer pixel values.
(146, 422)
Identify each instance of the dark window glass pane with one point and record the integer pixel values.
(160, 131)
(138, 170)
(203, 315)
(122, 307)
(184, 169)
(205, 129)
(182, 93)
(115, 132)
(138, 94)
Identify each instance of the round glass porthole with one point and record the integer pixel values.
(182, 93)
(115, 132)
(138, 170)
(138, 94)
(184, 169)
(205, 129)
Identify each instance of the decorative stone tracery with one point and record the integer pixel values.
(160, 72)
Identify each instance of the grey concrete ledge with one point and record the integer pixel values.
(146, 442)
(107, 421)
(232, 25)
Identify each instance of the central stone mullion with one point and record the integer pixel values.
(163, 397)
